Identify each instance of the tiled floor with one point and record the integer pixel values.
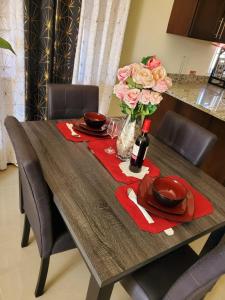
(68, 276)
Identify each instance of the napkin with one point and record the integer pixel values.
(124, 166)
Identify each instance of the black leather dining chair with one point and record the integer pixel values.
(40, 212)
(186, 137)
(67, 101)
(180, 275)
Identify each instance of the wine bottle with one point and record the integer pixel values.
(140, 148)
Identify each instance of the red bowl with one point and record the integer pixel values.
(94, 119)
(168, 191)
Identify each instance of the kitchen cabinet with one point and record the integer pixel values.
(201, 19)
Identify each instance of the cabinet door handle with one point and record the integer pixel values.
(218, 30)
(222, 31)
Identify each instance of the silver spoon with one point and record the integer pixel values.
(133, 197)
(70, 127)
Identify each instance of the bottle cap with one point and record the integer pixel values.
(146, 125)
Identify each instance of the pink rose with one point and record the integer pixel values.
(143, 76)
(159, 73)
(131, 97)
(155, 98)
(144, 97)
(120, 90)
(124, 73)
(153, 63)
(135, 68)
(168, 81)
(163, 85)
(160, 86)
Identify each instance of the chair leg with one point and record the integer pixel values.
(26, 232)
(20, 195)
(42, 276)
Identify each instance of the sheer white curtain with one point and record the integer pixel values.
(11, 73)
(100, 39)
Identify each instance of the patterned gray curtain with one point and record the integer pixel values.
(51, 29)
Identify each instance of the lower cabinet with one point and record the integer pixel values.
(214, 164)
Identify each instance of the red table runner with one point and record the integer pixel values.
(67, 134)
(203, 207)
(111, 162)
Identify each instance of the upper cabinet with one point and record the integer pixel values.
(201, 19)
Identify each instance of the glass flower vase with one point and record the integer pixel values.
(127, 137)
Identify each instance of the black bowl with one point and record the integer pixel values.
(94, 119)
(168, 191)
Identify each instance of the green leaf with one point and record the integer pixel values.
(122, 108)
(138, 111)
(128, 110)
(6, 45)
(138, 86)
(151, 109)
(145, 59)
(125, 109)
(132, 84)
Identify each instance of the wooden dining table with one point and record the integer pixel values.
(108, 239)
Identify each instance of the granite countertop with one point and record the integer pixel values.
(206, 97)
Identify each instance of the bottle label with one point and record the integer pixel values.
(135, 151)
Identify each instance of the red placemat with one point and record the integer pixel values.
(67, 134)
(111, 162)
(203, 207)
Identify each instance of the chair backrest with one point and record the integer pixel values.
(200, 277)
(37, 198)
(186, 137)
(67, 101)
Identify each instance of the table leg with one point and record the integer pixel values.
(97, 293)
(213, 240)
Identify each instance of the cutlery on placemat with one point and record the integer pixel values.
(70, 127)
(133, 197)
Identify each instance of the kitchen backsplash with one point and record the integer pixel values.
(188, 78)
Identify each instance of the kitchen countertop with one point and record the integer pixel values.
(206, 97)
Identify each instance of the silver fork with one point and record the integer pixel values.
(133, 197)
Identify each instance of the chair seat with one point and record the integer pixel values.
(154, 280)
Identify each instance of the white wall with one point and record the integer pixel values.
(146, 34)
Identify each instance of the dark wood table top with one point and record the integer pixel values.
(108, 239)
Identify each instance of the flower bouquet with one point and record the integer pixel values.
(139, 89)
